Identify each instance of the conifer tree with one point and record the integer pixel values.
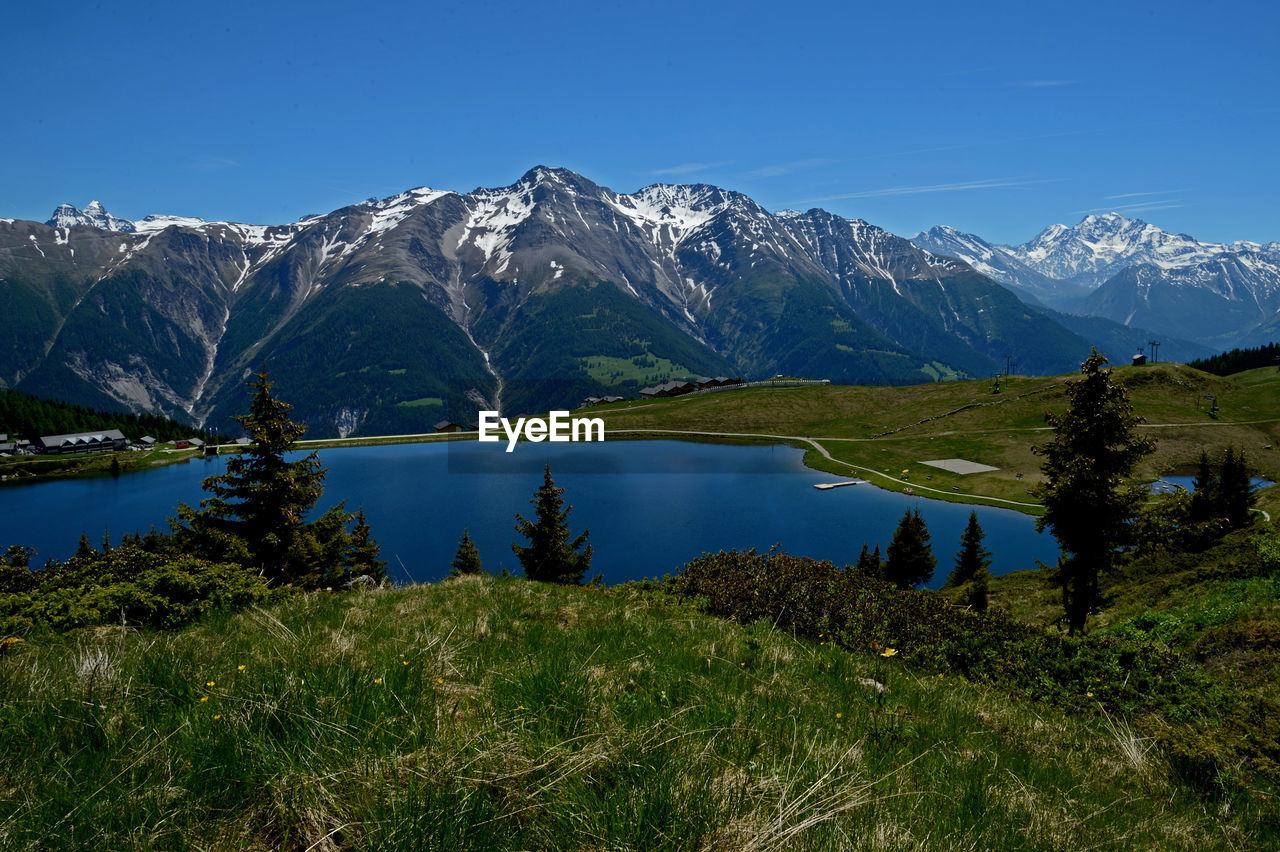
(1235, 489)
(1206, 502)
(977, 595)
(363, 551)
(257, 509)
(1090, 513)
(972, 559)
(911, 562)
(870, 564)
(467, 559)
(550, 556)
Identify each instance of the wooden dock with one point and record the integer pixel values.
(825, 486)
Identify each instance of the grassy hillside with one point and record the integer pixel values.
(498, 714)
(884, 430)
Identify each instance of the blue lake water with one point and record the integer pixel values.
(651, 506)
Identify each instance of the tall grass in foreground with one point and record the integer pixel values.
(485, 713)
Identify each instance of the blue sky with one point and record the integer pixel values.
(997, 118)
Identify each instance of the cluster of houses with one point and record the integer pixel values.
(599, 400)
(105, 441)
(679, 386)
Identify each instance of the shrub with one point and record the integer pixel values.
(126, 584)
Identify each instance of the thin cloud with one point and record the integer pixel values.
(779, 169)
(1042, 84)
(1144, 206)
(686, 168)
(1142, 194)
(920, 190)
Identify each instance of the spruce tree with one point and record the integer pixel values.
(976, 596)
(467, 559)
(363, 551)
(257, 509)
(972, 558)
(550, 556)
(1235, 489)
(1206, 496)
(869, 563)
(1094, 447)
(911, 562)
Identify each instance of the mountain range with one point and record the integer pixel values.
(1126, 270)
(387, 315)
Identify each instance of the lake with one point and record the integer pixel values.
(651, 506)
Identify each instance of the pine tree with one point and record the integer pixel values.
(1206, 497)
(363, 551)
(976, 596)
(870, 564)
(256, 514)
(1235, 489)
(550, 556)
(467, 559)
(972, 558)
(1088, 510)
(911, 562)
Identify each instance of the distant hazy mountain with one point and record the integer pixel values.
(394, 313)
(1134, 273)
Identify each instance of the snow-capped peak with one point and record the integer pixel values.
(1102, 244)
(94, 216)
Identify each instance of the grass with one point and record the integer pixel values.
(879, 431)
(490, 713)
(22, 469)
(1222, 607)
(611, 371)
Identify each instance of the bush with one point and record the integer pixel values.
(1172, 698)
(127, 584)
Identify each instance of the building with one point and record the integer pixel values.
(147, 441)
(447, 426)
(82, 442)
(1139, 359)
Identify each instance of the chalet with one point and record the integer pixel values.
(244, 442)
(147, 441)
(704, 382)
(649, 393)
(447, 426)
(6, 448)
(196, 443)
(1139, 359)
(182, 444)
(82, 442)
(600, 400)
(676, 388)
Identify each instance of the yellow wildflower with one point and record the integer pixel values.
(210, 683)
(889, 652)
(1088, 695)
(439, 680)
(217, 716)
(839, 715)
(240, 667)
(203, 699)
(377, 680)
(404, 662)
